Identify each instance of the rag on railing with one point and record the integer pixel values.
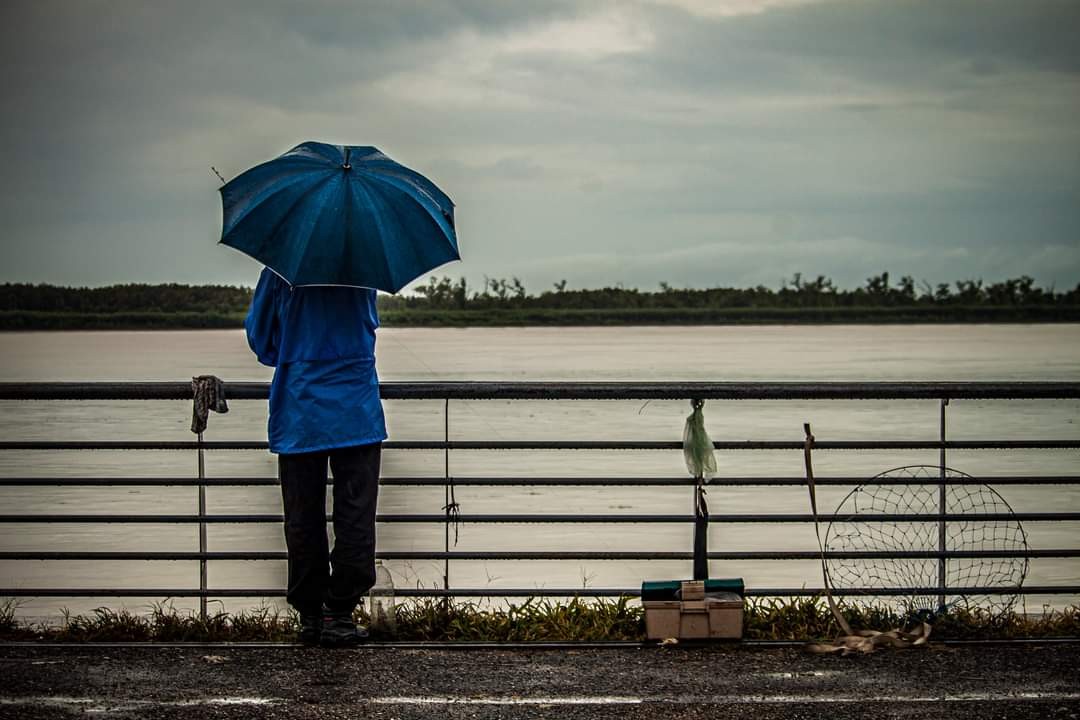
(209, 394)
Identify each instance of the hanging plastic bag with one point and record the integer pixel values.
(697, 445)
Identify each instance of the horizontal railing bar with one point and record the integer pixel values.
(724, 481)
(544, 482)
(900, 591)
(559, 391)
(577, 390)
(553, 555)
(557, 518)
(537, 592)
(559, 445)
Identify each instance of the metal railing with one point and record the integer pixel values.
(447, 392)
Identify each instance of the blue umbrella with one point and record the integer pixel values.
(339, 215)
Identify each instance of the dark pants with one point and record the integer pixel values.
(317, 576)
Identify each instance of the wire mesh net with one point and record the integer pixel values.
(853, 531)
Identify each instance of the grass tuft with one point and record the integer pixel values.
(535, 619)
(10, 627)
(805, 618)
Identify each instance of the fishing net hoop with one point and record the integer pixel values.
(848, 533)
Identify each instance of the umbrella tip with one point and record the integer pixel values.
(345, 165)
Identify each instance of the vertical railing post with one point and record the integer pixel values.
(701, 522)
(701, 531)
(942, 509)
(202, 531)
(447, 505)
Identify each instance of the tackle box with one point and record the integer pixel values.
(693, 609)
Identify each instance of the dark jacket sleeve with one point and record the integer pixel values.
(262, 323)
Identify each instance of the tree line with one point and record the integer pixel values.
(447, 294)
(132, 298)
(497, 301)
(798, 292)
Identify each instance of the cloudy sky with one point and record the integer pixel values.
(695, 142)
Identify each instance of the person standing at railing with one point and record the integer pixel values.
(324, 409)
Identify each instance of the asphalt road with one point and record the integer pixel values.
(1036, 681)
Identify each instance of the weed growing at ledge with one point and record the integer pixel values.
(10, 627)
(805, 618)
(535, 619)
(163, 624)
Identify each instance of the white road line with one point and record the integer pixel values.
(103, 706)
(721, 699)
(571, 700)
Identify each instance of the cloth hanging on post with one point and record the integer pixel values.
(697, 445)
(209, 394)
(701, 464)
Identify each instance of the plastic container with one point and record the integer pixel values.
(381, 606)
(693, 609)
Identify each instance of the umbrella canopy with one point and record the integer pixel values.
(339, 215)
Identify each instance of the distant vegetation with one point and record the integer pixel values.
(443, 301)
(502, 302)
(48, 307)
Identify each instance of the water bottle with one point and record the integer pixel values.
(381, 601)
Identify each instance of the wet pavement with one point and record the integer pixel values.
(1014, 681)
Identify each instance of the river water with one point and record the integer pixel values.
(746, 353)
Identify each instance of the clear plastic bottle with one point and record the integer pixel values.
(381, 601)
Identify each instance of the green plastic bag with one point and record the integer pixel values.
(697, 445)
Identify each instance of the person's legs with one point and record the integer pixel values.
(303, 493)
(356, 491)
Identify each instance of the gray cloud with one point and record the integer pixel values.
(598, 141)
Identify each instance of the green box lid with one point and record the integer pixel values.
(669, 589)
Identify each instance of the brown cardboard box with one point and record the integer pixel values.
(692, 590)
(715, 618)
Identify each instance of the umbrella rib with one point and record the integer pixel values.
(427, 213)
(418, 183)
(442, 233)
(252, 206)
(415, 179)
(282, 220)
(307, 241)
(270, 196)
(438, 230)
(385, 260)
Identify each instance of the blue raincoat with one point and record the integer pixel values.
(321, 340)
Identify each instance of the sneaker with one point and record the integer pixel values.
(339, 630)
(310, 629)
